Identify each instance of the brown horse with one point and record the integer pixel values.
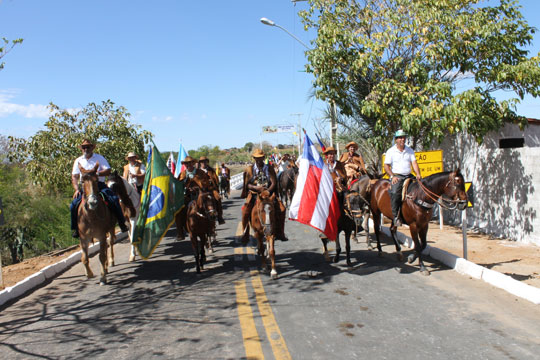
(95, 221)
(446, 188)
(263, 225)
(287, 184)
(201, 215)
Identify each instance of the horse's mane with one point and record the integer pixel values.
(432, 180)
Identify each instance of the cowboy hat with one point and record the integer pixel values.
(329, 150)
(258, 153)
(188, 159)
(352, 143)
(86, 142)
(203, 158)
(131, 154)
(400, 133)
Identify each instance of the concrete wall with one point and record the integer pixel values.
(506, 183)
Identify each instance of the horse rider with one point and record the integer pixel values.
(214, 186)
(194, 180)
(336, 168)
(257, 178)
(397, 164)
(134, 171)
(353, 162)
(225, 172)
(87, 161)
(283, 164)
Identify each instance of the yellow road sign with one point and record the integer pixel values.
(429, 162)
(470, 194)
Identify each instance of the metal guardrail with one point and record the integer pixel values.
(237, 181)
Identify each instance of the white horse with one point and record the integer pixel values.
(135, 198)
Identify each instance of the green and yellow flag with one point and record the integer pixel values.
(161, 199)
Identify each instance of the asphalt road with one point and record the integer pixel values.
(378, 309)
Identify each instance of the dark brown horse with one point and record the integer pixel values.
(354, 206)
(201, 216)
(263, 225)
(95, 221)
(287, 184)
(446, 188)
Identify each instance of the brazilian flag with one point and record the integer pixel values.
(161, 199)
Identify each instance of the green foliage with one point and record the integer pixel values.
(50, 153)
(33, 217)
(392, 64)
(6, 47)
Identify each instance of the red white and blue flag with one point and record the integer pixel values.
(315, 202)
(171, 163)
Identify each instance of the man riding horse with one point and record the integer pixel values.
(225, 173)
(257, 178)
(88, 161)
(194, 180)
(336, 168)
(353, 162)
(397, 164)
(214, 186)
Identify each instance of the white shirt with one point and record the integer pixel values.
(88, 164)
(400, 161)
(133, 171)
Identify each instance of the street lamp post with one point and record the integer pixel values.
(333, 115)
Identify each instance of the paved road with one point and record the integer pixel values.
(378, 309)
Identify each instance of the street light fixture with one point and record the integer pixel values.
(269, 22)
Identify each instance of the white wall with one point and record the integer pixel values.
(506, 183)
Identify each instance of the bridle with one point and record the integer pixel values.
(448, 204)
(267, 225)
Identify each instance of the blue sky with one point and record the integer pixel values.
(196, 72)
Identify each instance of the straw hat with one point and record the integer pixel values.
(258, 153)
(87, 142)
(131, 154)
(352, 143)
(329, 150)
(188, 159)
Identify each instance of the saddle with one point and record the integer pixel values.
(405, 195)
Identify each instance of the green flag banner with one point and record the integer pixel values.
(161, 199)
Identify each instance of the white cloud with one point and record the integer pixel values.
(31, 111)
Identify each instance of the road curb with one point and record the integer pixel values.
(35, 280)
(466, 267)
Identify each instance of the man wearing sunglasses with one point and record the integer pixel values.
(397, 164)
(87, 161)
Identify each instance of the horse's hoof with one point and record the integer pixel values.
(336, 259)
(411, 258)
(273, 274)
(425, 272)
(103, 282)
(131, 258)
(349, 263)
(400, 257)
(380, 254)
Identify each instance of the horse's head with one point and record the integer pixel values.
(265, 209)
(454, 195)
(90, 189)
(356, 199)
(206, 205)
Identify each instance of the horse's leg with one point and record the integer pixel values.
(133, 253)
(84, 258)
(261, 249)
(338, 246)
(204, 241)
(110, 254)
(366, 228)
(393, 231)
(272, 252)
(348, 246)
(377, 227)
(325, 248)
(422, 233)
(195, 247)
(103, 259)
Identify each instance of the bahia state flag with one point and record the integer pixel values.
(315, 202)
(161, 199)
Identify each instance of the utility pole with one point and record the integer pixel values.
(333, 124)
(299, 132)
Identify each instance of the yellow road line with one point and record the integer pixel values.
(269, 321)
(252, 341)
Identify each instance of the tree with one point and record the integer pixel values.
(49, 155)
(392, 64)
(6, 47)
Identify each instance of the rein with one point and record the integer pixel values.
(436, 198)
